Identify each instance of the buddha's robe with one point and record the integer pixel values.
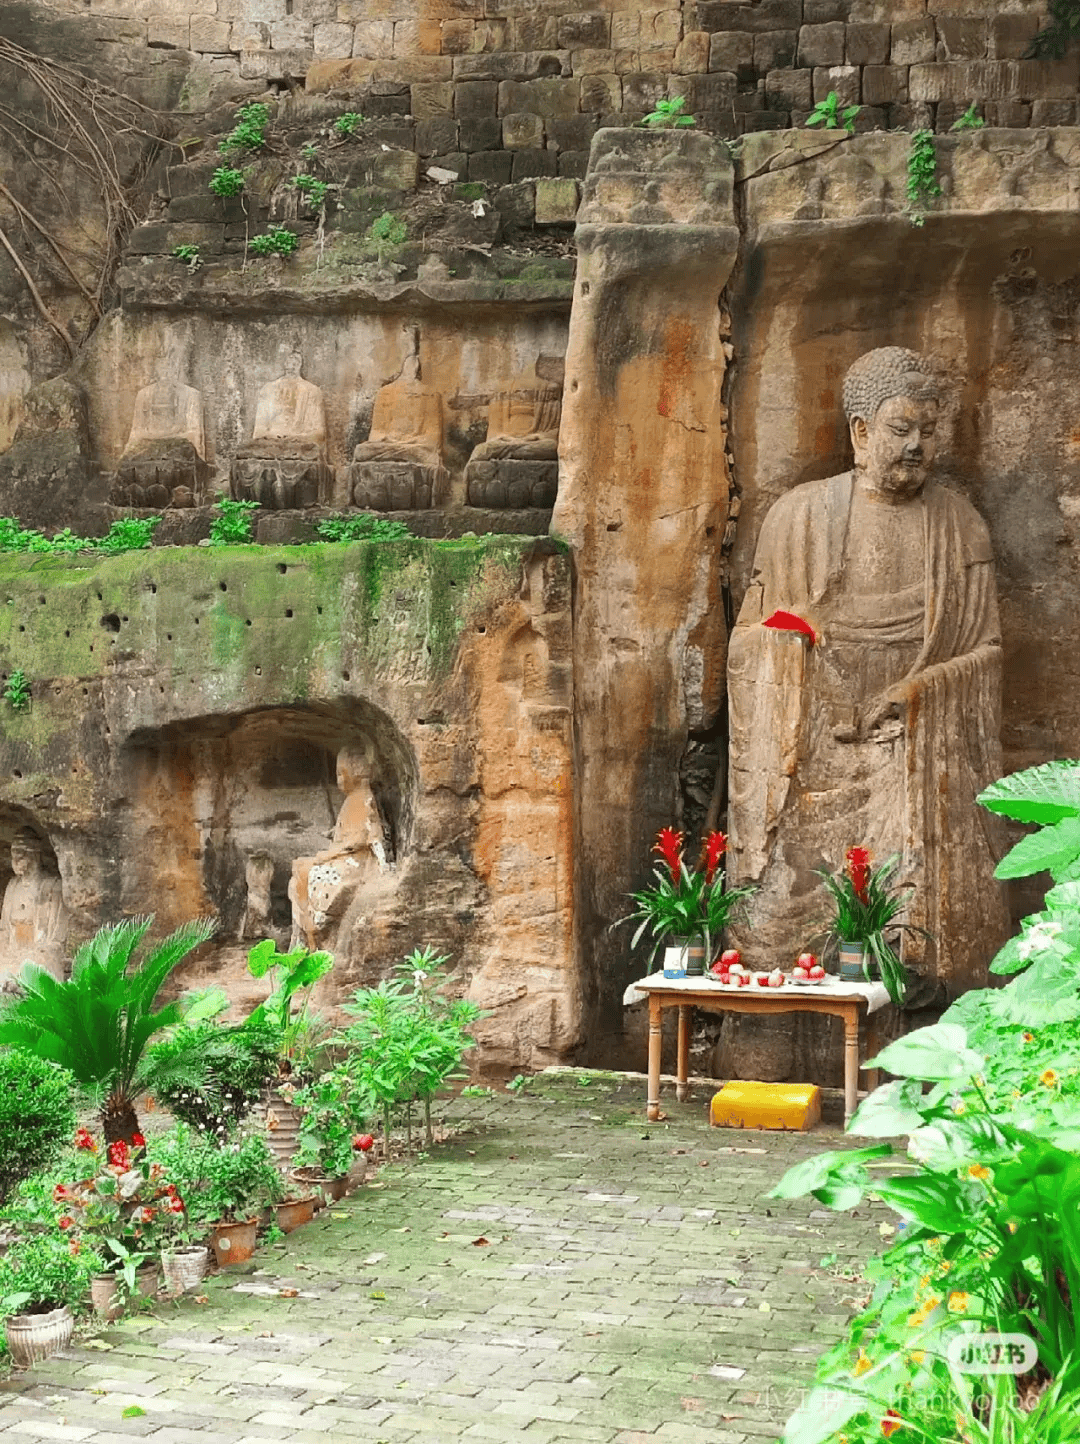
(167, 411)
(406, 425)
(290, 410)
(799, 796)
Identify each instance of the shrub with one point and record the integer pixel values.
(388, 230)
(129, 534)
(361, 527)
(314, 190)
(348, 124)
(237, 1062)
(227, 181)
(278, 241)
(37, 1115)
(232, 525)
(249, 131)
(44, 1272)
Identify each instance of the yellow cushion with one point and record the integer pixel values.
(766, 1105)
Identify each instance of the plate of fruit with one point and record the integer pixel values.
(730, 972)
(807, 972)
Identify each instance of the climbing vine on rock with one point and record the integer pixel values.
(922, 181)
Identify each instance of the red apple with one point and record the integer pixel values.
(730, 956)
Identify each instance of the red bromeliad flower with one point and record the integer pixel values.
(858, 866)
(669, 845)
(119, 1156)
(715, 847)
(84, 1140)
(138, 1141)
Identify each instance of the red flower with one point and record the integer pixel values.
(715, 847)
(891, 1422)
(59, 1192)
(119, 1156)
(362, 1142)
(790, 622)
(858, 866)
(84, 1141)
(669, 845)
(175, 1204)
(66, 1222)
(138, 1141)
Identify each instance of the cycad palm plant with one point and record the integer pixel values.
(99, 1024)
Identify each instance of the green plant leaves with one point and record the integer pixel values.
(936, 1054)
(889, 1112)
(1043, 794)
(838, 1179)
(1054, 849)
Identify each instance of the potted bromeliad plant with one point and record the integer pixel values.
(689, 907)
(866, 905)
(40, 1278)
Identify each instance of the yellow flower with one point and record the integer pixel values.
(958, 1302)
(862, 1363)
(978, 1170)
(1048, 1077)
(959, 1108)
(921, 1315)
(924, 1282)
(944, 1266)
(1029, 1037)
(918, 1355)
(1012, 1226)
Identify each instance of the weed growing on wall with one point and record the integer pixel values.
(970, 120)
(227, 181)
(667, 115)
(127, 534)
(189, 255)
(249, 132)
(278, 241)
(348, 124)
(362, 527)
(232, 527)
(922, 182)
(314, 190)
(827, 112)
(17, 691)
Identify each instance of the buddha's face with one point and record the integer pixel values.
(293, 361)
(24, 859)
(895, 449)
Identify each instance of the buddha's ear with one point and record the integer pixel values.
(860, 436)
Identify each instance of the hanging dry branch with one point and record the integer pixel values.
(81, 123)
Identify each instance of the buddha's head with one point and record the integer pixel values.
(27, 853)
(292, 361)
(891, 402)
(352, 769)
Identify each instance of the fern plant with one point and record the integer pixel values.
(98, 1025)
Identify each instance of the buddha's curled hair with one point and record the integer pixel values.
(889, 371)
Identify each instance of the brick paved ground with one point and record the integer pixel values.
(558, 1271)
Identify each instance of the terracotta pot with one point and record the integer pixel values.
(109, 1298)
(319, 1183)
(234, 1243)
(294, 1212)
(184, 1268)
(34, 1337)
(280, 1120)
(339, 1187)
(358, 1171)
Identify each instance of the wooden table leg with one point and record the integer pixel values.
(682, 1092)
(851, 1059)
(652, 1103)
(873, 1047)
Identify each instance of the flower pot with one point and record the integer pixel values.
(852, 957)
(319, 1183)
(34, 1337)
(234, 1243)
(684, 960)
(108, 1296)
(280, 1120)
(339, 1187)
(294, 1212)
(184, 1268)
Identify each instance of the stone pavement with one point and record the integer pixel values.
(557, 1270)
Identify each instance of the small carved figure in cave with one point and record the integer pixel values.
(257, 921)
(164, 461)
(400, 466)
(33, 920)
(517, 465)
(323, 887)
(283, 467)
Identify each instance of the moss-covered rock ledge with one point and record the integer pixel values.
(187, 704)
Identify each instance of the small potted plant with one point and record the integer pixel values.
(296, 1206)
(185, 1255)
(867, 903)
(239, 1179)
(688, 908)
(121, 1210)
(333, 1110)
(40, 1278)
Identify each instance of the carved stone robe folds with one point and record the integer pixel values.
(799, 797)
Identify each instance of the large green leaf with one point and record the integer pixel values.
(827, 1169)
(937, 1054)
(1043, 794)
(1054, 849)
(890, 1111)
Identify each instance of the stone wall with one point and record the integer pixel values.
(187, 707)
